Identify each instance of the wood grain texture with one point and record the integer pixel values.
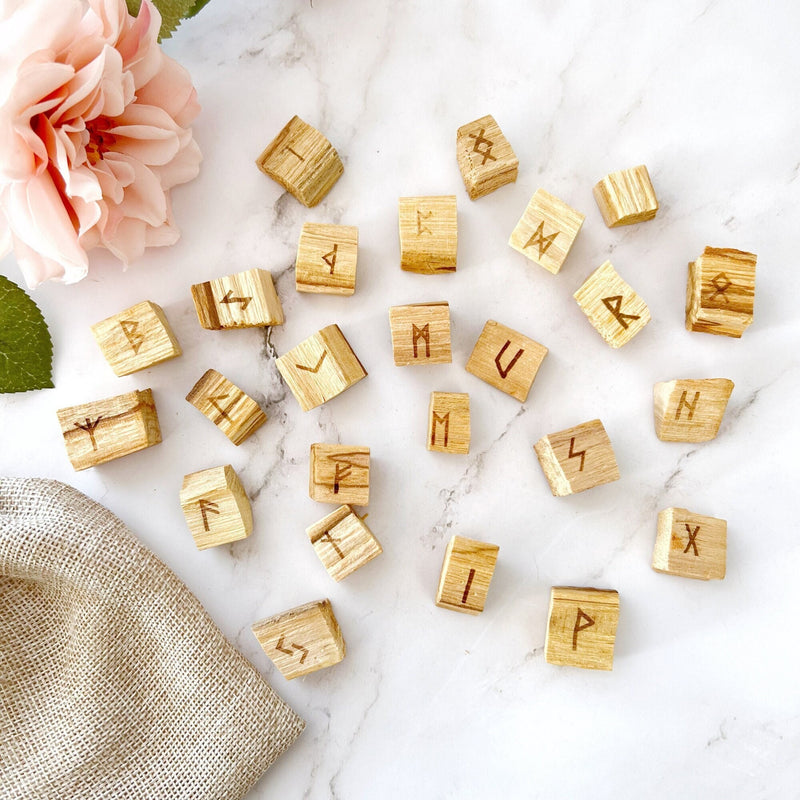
(327, 258)
(428, 234)
(577, 459)
(626, 197)
(339, 474)
(720, 292)
(448, 422)
(690, 545)
(582, 627)
(546, 231)
(616, 312)
(303, 161)
(343, 542)
(466, 574)
(104, 430)
(137, 338)
(506, 359)
(244, 300)
(230, 408)
(302, 640)
(420, 334)
(485, 157)
(690, 410)
(216, 507)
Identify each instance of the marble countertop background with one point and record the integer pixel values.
(703, 700)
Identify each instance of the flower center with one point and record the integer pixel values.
(100, 140)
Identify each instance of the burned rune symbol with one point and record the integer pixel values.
(420, 227)
(130, 327)
(423, 333)
(442, 420)
(504, 372)
(341, 472)
(692, 538)
(479, 140)
(315, 368)
(332, 542)
(721, 284)
(614, 305)
(300, 649)
(208, 507)
(330, 258)
(580, 626)
(573, 454)
(543, 242)
(223, 412)
(467, 587)
(295, 153)
(90, 427)
(690, 406)
(243, 301)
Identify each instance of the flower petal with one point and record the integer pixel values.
(172, 90)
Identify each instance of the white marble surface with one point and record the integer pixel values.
(703, 700)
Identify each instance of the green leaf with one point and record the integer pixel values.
(26, 350)
(198, 6)
(172, 12)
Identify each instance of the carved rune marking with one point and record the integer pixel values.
(420, 227)
(692, 538)
(543, 242)
(479, 140)
(330, 258)
(89, 427)
(580, 627)
(315, 368)
(690, 406)
(721, 283)
(614, 304)
(243, 301)
(504, 372)
(130, 327)
(300, 649)
(223, 412)
(295, 153)
(467, 587)
(444, 420)
(208, 507)
(423, 333)
(332, 542)
(341, 472)
(573, 454)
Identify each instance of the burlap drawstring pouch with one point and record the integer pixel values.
(114, 682)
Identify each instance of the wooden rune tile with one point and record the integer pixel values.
(339, 474)
(420, 334)
(626, 197)
(690, 410)
(244, 300)
(343, 542)
(467, 571)
(690, 545)
(485, 157)
(428, 234)
(449, 422)
(326, 259)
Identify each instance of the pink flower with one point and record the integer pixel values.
(94, 132)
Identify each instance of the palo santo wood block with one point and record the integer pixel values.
(216, 507)
(448, 422)
(428, 234)
(690, 545)
(614, 309)
(690, 410)
(302, 640)
(626, 197)
(339, 474)
(420, 334)
(467, 571)
(343, 542)
(233, 411)
(546, 231)
(577, 458)
(506, 359)
(137, 338)
(582, 627)
(244, 300)
(720, 292)
(485, 157)
(303, 161)
(107, 429)
(326, 259)
(320, 368)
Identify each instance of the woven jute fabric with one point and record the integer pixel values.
(114, 682)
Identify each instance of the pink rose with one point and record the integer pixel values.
(94, 132)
